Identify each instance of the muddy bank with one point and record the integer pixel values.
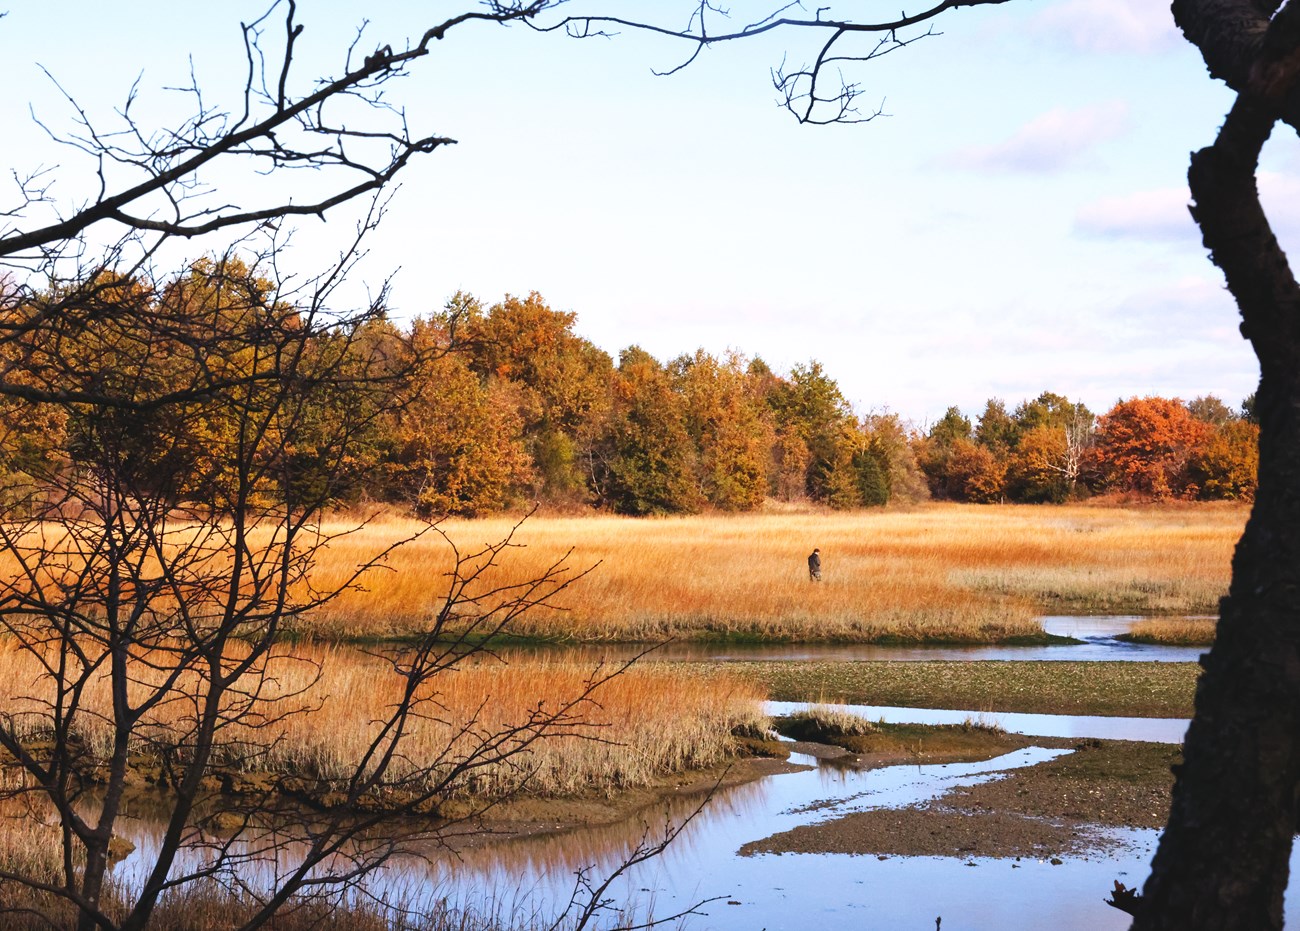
(1054, 809)
(681, 793)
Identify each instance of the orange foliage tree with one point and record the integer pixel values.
(1144, 444)
(1227, 464)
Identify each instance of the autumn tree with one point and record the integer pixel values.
(157, 553)
(935, 452)
(1036, 471)
(730, 427)
(1222, 860)
(457, 446)
(560, 385)
(1143, 445)
(813, 415)
(1226, 464)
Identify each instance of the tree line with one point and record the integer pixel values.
(1051, 449)
(474, 408)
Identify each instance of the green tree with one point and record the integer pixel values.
(809, 405)
(950, 428)
(646, 463)
(1211, 410)
(890, 437)
(934, 452)
(997, 430)
(871, 464)
(731, 429)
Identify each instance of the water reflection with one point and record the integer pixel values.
(1156, 730)
(536, 875)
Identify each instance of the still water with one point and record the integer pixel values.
(827, 892)
(830, 892)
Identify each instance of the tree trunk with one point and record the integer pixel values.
(1223, 859)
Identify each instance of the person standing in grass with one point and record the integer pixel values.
(815, 565)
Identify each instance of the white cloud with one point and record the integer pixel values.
(1055, 140)
(1160, 215)
(1109, 25)
(1155, 215)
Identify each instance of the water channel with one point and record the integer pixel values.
(829, 892)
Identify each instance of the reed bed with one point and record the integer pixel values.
(944, 572)
(637, 726)
(1177, 631)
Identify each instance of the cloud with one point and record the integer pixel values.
(1157, 215)
(1160, 215)
(1053, 141)
(1109, 26)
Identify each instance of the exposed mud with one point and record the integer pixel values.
(1054, 809)
(886, 745)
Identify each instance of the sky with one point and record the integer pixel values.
(1016, 221)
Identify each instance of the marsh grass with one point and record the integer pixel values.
(1179, 631)
(837, 725)
(641, 724)
(820, 721)
(941, 573)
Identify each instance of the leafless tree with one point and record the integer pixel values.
(155, 551)
(148, 578)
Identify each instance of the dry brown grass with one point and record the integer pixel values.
(1177, 631)
(942, 572)
(639, 725)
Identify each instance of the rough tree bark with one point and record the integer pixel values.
(1223, 858)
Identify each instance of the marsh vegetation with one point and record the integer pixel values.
(942, 573)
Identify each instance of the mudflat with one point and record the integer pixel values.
(1054, 809)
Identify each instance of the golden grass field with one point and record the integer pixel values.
(942, 572)
(1174, 631)
(646, 722)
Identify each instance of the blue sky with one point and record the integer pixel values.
(1017, 223)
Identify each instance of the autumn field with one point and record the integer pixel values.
(320, 708)
(938, 573)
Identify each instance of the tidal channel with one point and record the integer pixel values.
(827, 892)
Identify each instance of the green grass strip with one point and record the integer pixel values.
(1156, 690)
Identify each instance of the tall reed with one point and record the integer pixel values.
(318, 709)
